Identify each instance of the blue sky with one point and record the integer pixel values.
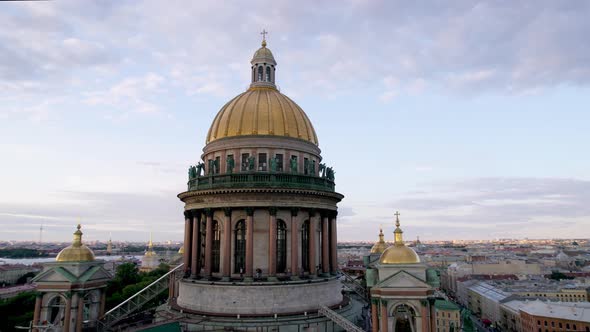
(470, 118)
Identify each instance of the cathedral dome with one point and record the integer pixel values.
(262, 111)
(380, 246)
(399, 253)
(76, 252)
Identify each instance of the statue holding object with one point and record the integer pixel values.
(322, 170)
(230, 164)
(293, 165)
(330, 173)
(251, 163)
(273, 164)
(199, 168)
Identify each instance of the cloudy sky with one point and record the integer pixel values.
(471, 118)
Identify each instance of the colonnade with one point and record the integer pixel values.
(320, 228)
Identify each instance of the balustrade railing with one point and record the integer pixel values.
(261, 180)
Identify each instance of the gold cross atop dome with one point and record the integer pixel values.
(264, 33)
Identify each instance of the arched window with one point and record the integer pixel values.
(56, 310)
(216, 253)
(305, 245)
(268, 74)
(260, 69)
(240, 247)
(281, 246)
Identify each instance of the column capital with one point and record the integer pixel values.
(312, 212)
(294, 211)
(208, 212)
(250, 211)
(195, 213)
(227, 211)
(375, 300)
(384, 302)
(187, 214)
(272, 211)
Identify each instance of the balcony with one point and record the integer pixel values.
(261, 180)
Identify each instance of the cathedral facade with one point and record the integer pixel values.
(261, 217)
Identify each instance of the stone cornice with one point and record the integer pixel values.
(206, 192)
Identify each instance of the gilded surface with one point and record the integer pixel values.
(399, 253)
(77, 252)
(380, 246)
(262, 111)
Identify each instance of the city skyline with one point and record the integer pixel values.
(469, 118)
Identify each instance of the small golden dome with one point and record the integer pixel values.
(262, 111)
(181, 250)
(77, 252)
(380, 245)
(263, 55)
(398, 253)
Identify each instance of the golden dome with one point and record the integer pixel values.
(77, 252)
(262, 111)
(398, 253)
(181, 250)
(380, 245)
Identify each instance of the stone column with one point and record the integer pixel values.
(208, 242)
(187, 241)
(195, 252)
(272, 242)
(227, 244)
(68, 313)
(294, 244)
(103, 302)
(374, 316)
(325, 245)
(383, 327)
(249, 242)
(312, 242)
(333, 246)
(79, 313)
(37, 313)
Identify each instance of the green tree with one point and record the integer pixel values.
(556, 275)
(17, 311)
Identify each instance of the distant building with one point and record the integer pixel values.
(9, 274)
(447, 315)
(550, 316)
(150, 260)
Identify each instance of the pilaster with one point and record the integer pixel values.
(226, 272)
(294, 245)
(249, 242)
(272, 242)
(208, 241)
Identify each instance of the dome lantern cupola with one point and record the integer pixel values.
(263, 66)
(399, 253)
